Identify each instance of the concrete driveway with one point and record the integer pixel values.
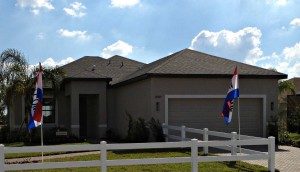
(287, 159)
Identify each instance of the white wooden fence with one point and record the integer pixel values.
(103, 163)
(235, 141)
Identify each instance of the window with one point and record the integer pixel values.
(48, 110)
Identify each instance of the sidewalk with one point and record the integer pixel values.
(287, 159)
(39, 158)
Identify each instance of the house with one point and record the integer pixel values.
(185, 88)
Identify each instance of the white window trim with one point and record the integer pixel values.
(261, 96)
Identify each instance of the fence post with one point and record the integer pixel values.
(194, 154)
(1, 158)
(271, 154)
(165, 131)
(233, 148)
(205, 138)
(103, 151)
(182, 133)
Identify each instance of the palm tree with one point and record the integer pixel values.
(16, 79)
(285, 87)
(13, 75)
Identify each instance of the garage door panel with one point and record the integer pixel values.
(205, 113)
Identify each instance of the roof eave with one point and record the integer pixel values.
(66, 80)
(150, 75)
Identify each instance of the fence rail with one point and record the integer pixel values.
(231, 145)
(103, 162)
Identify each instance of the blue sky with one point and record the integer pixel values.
(264, 33)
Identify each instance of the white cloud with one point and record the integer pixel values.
(35, 11)
(244, 46)
(288, 61)
(124, 3)
(234, 45)
(81, 35)
(51, 63)
(295, 22)
(281, 2)
(117, 48)
(76, 10)
(292, 53)
(40, 36)
(35, 5)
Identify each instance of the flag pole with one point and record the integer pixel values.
(42, 136)
(239, 122)
(42, 143)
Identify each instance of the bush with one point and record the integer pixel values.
(4, 132)
(16, 135)
(293, 122)
(51, 138)
(112, 136)
(273, 128)
(156, 130)
(138, 131)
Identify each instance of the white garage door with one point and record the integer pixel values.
(205, 113)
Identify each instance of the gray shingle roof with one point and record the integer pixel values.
(185, 63)
(93, 67)
(193, 63)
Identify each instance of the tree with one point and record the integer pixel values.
(18, 79)
(13, 75)
(285, 87)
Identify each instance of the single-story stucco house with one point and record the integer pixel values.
(185, 88)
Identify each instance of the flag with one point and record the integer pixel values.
(36, 113)
(232, 93)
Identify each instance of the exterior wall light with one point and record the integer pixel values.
(272, 106)
(157, 106)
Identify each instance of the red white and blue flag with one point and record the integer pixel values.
(232, 93)
(36, 113)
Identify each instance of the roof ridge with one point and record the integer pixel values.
(82, 58)
(167, 58)
(86, 70)
(125, 58)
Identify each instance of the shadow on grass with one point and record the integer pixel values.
(241, 166)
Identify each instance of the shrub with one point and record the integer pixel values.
(4, 132)
(293, 121)
(273, 128)
(51, 138)
(156, 130)
(112, 136)
(138, 131)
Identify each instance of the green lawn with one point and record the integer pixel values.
(182, 167)
(294, 137)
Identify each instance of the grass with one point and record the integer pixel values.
(294, 137)
(181, 167)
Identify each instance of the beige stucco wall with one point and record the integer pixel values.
(133, 99)
(17, 113)
(76, 88)
(63, 111)
(140, 99)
